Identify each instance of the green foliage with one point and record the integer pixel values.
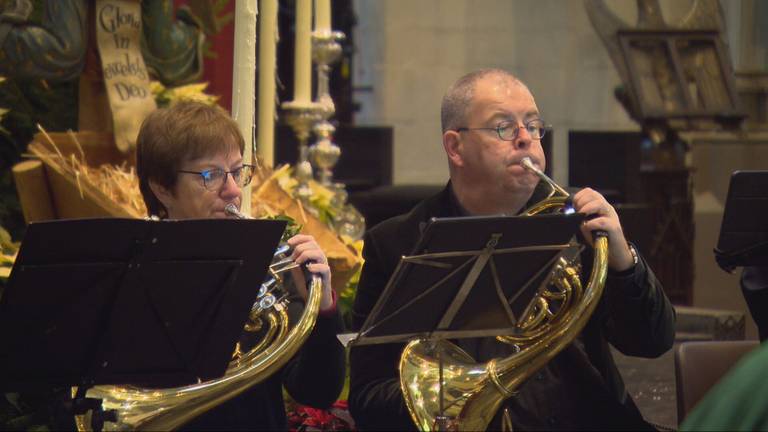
(346, 299)
(7, 245)
(8, 249)
(54, 106)
(167, 96)
(35, 411)
(291, 229)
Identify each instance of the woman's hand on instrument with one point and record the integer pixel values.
(307, 251)
(602, 216)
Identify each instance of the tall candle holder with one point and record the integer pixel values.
(301, 116)
(324, 153)
(326, 50)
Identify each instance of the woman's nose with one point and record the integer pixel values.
(230, 189)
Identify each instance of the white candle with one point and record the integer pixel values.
(267, 64)
(243, 82)
(323, 16)
(302, 79)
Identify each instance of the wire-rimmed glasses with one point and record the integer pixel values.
(215, 178)
(508, 130)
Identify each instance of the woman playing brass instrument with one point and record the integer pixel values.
(190, 165)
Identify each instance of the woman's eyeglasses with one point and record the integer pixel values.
(214, 178)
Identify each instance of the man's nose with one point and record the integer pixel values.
(523, 139)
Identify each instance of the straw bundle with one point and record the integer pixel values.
(118, 183)
(85, 176)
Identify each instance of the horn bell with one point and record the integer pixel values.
(169, 408)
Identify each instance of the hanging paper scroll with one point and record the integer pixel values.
(118, 32)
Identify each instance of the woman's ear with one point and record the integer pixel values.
(164, 195)
(453, 147)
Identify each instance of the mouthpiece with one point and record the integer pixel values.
(527, 163)
(232, 210)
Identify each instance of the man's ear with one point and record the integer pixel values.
(454, 147)
(164, 195)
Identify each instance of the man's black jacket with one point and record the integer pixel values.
(580, 388)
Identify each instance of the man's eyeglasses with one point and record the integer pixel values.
(215, 178)
(508, 130)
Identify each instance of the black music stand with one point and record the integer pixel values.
(744, 231)
(468, 277)
(126, 301)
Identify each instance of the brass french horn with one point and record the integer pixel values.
(169, 408)
(472, 392)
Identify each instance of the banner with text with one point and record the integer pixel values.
(118, 32)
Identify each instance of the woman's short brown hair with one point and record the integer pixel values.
(170, 137)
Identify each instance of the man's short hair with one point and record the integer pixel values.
(459, 96)
(170, 137)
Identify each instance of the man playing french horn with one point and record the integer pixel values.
(490, 123)
(190, 165)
